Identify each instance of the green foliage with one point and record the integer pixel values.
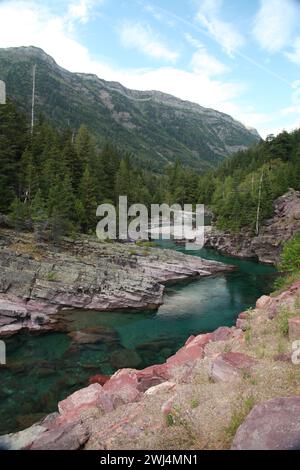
(239, 415)
(290, 258)
(154, 127)
(195, 403)
(245, 185)
(170, 420)
(283, 320)
(54, 181)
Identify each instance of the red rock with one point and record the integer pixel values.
(272, 425)
(92, 396)
(264, 302)
(228, 366)
(284, 357)
(152, 376)
(295, 286)
(222, 334)
(242, 324)
(99, 379)
(294, 329)
(244, 316)
(191, 338)
(200, 341)
(71, 436)
(123, 387)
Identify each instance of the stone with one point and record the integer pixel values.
(128, 358)
(123, 387)
(222, 334)
(23, 439)
(152, 376)
(263, 302)
(283, 357)
(99, 379)
(297, 215)
(161, 388)
(244, 316)
(294, 328)
(92, 396)
(90, 275)
(71, 436)
(272, 425)
(242, 324)
(231, 365)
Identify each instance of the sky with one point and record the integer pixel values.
(241, 57)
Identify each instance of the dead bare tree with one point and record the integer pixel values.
(259, 202)
(33, 97)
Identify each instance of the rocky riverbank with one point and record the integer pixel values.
(235, 388)
(37, 280)
(267, 246)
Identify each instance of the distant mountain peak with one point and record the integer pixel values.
(155, 126)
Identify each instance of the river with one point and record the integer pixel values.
(42, 370)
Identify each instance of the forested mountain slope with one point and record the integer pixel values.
(157, 128)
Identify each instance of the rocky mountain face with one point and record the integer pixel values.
(211, 394)
(157, 128)
(267, 246)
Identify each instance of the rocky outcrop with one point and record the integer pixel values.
(36, 281)
(273, 425)
(267, 246)
(193, 400)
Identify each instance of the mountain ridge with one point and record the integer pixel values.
(156, 127)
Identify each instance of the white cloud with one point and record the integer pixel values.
(80, 10)
(142, 38)
(36, 26)
(203, 62)
(275, 23)
(294, 55)
(223, 32)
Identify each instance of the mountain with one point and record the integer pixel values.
(157, 128)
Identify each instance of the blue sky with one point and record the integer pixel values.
(240, 57)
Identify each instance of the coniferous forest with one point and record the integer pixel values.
(53, 180)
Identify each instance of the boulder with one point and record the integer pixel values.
(70, 436)
(242, 324)
(92, 396)
(221, 334)
(123, 387)
(294, 329)
(264, 302)
(272, 425)
(231, 365)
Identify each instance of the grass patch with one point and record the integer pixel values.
(170, 420)
(285, 281)
(283, 321)
(145, 244)
(195, 403)
(239, 416)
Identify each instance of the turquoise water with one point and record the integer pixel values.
(42, 370)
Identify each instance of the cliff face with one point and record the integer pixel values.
(237, 387)
(267, 246)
